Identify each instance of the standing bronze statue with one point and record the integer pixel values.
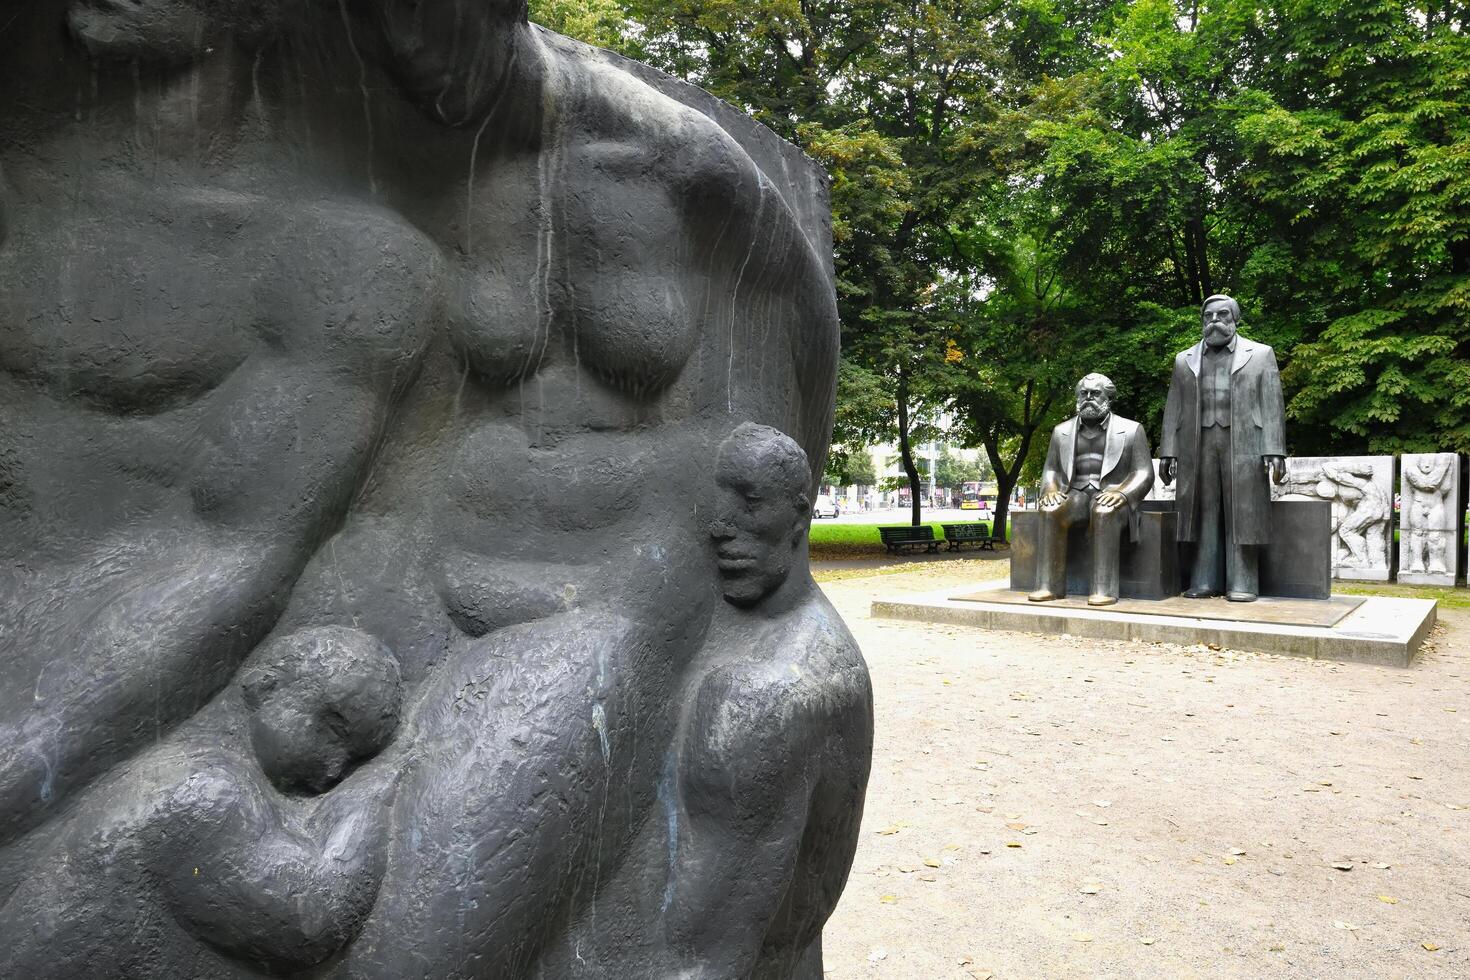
(1098, 470)
(1224, 439)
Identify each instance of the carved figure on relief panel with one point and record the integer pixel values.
(1428, 514)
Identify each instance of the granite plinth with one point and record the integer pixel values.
(1379, 630)
(1296, 565)
(1147, 568)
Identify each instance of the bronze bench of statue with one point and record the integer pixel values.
(373, 601)
(900, 537)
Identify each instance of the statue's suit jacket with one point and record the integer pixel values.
(1127, 467)
(1257, 429)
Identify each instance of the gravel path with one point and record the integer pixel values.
(1048, 807)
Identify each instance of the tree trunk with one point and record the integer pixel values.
(905, 451)
(1003, 487)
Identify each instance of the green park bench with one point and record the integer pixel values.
(896, 539)
(978, 534)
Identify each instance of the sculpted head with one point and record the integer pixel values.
(451, 55)
(1095, 394)
(170, 31)
(1221, 319)
(761, 511)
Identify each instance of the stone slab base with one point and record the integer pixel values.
(1427, 578)
(1385, 631)
(1362, 574)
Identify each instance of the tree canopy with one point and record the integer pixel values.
(1025, 191)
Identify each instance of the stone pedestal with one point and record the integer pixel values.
(1429, 519)
(1147, 568)
(1296, 565)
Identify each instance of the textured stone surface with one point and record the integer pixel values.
(378, 598)
(1430, 517)
(1360, 489)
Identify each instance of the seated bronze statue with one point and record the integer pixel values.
(1098, 470)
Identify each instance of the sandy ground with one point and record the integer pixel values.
(1049, 807)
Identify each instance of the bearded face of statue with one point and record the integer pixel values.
(169, 31)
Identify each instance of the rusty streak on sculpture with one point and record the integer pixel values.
(362, 368)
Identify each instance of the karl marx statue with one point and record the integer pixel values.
(360, 367)
(1224, 440)
(1098, 470)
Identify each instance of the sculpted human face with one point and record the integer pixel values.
(1219, 324)
(1093, 404)
(756, 529)
(173, 31)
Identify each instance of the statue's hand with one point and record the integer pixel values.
(1111, 500)
(1053, 500)
(1168, 469)
(1275, 468)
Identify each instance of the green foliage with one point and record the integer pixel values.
(1028, 190)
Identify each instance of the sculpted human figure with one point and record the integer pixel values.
(352, 360)
(1429, 521)
(1362, 524)
(777, 736)
(1224, 440)
(1098, 470)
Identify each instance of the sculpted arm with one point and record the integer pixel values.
(1053, 486)
(145, 647)
(1141, 466)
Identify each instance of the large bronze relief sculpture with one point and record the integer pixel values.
(403, 561)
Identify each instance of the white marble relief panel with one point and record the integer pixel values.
(1360, 489)
(1429, 519)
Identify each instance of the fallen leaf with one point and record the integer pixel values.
(1388, 900)
(1343, 866)
(1229, 859)
(1345, 925)
(1433, 948)
(1015, 825)
(1148, 941)
(1013, 843)
(927, 878)
(1100, 822)
(1237, 852)
(877, 954)
(1382, 867)
(889, 899)
(951, 847)
(1082, 937)
(1091, 888)
(1412, 776)
(931, 862)
(1102, 803)
(891, 829)
(1029, 831)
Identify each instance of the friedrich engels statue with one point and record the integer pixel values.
(362, 368)
(1224, 440)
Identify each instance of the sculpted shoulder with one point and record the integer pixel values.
(636, 130)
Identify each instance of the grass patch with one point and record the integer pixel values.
(1443, 594)
(836, 542)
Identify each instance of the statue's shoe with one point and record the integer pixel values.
(1043, 595)
(1200, 593)
(1102, 600)
(1241, 596)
